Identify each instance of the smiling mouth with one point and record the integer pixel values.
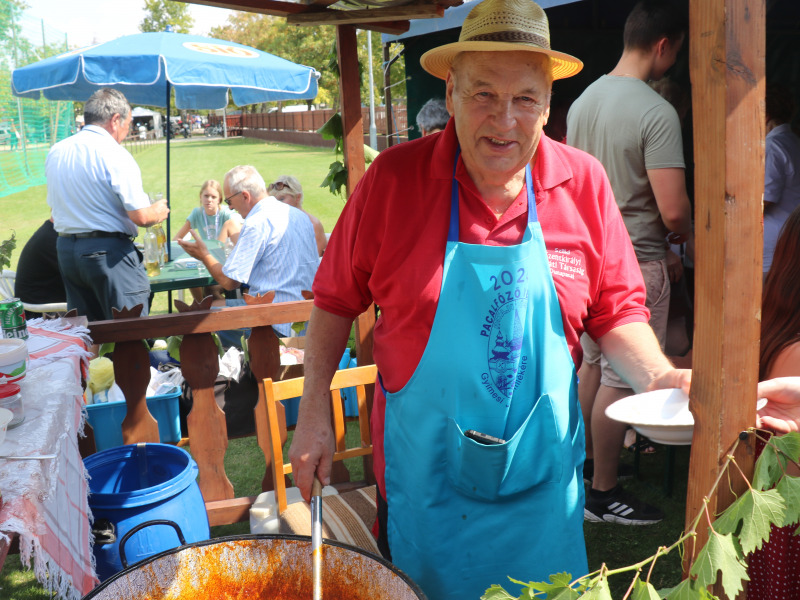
(497, 142)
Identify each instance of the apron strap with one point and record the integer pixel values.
(452, 232)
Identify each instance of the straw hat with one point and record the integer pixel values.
(502, 25)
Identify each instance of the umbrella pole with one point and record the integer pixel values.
(169, 131)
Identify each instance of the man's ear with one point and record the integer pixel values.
(662, 45)
(448, 97)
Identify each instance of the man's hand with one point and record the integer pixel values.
(674, 378)
(150, 215)
(196, 249)
(160, 211)
(311, 451)
(674, 267)
(782, 412)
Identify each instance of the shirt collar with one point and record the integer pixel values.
(779, 129)
(549, 170)
(256, 207)
(96, 129)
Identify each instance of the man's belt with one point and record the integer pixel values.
(97, 234)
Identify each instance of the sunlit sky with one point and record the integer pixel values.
(94, 21)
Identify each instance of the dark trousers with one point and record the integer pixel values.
(101, 273)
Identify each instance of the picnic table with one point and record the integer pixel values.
(45, 502)
(183, 271)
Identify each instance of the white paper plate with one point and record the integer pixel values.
(661, 415)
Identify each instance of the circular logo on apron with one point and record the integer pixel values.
(503, 329)
(505, 346)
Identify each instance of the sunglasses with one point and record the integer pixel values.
(229, 198)
(279, 186)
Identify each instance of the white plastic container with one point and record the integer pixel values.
(5, 418)
(13, 359)
(11, 400)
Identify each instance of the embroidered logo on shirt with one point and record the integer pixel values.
(504, 330)
(566, 263)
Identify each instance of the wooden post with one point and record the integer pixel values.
(131, 374)
(350, 97)
(727, 48)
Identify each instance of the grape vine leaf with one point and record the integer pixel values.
(769, 468)
(564, 593)
(789, 444)
(558, 583)
(789, 489)
(756, 511)
(496, 592)
(720, 554)
(599, 591)
(643, 590)
(688, 590)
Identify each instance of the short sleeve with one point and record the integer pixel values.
(126, 180)
(341, 286)
(663, 143)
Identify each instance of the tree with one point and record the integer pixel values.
(165, 12)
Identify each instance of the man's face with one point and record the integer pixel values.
(120, 126)
(237, 201)
(500, 102)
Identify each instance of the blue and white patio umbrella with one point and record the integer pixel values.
(144, 66)
(147, 66)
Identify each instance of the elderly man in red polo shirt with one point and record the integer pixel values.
(489, 249)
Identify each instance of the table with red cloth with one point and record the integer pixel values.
(45, 502)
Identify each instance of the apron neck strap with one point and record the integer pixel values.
(452, 232)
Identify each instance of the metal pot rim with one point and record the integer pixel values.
(255, 536)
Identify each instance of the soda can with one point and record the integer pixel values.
(12, 319)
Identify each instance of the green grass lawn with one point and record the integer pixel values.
(192, 162)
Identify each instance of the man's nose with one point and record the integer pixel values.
(504, 115)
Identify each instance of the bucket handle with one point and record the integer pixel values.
(141, 526)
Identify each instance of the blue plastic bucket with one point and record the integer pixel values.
(130, 485)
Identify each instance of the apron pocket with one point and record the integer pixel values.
(533, 456)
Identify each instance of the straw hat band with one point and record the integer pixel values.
(510, 36)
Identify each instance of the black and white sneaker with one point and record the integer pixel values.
(624, 471)
(618, 506)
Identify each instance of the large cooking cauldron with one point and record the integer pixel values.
(258, 567)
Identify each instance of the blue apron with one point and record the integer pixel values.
(464, 515)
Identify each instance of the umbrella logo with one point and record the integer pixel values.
(221, 49)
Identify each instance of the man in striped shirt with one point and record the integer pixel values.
(276, 248)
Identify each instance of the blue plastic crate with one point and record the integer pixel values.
(106, 419)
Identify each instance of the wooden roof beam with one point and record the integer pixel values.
(274, 8)
(390, 27)
(362, 16)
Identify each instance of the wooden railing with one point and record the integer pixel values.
(207, 432)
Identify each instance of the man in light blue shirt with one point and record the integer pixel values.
(276, 250)
(94, 189)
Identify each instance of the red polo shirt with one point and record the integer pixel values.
(388, 247)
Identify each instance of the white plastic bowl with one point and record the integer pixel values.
(661, 415)
(5, 418)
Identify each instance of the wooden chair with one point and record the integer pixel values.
(348, 516)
